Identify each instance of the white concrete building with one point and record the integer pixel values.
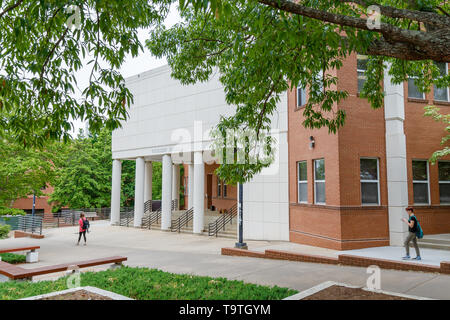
(169, 122)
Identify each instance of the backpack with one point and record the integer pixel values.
(419, 232)
(85, 224)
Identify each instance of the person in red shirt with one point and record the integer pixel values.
(82, 229)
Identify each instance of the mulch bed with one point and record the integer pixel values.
(343, 293)
(78, 295)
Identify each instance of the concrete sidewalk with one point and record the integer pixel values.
(201, 255)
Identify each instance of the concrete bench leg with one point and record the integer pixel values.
(116, 265)
(32, 256)
(4, 278)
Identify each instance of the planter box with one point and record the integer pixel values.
(108, 294)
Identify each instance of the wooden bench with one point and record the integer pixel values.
(15, 272)
(32, 255)
(91, 215)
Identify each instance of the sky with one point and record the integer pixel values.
(132, 66)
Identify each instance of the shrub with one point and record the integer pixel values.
(4, 211)
(13, 258)
(4, 230)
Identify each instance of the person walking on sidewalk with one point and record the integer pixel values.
(412, 234)
(84, 225)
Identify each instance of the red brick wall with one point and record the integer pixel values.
(41, 202)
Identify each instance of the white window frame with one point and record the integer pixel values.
(448, 89)
(224, 190)
(370, 181)
(360, 57)
(302, 92)
(302, 181)
(442, 182)
(315, 181)
(423, 93)
(422, 181)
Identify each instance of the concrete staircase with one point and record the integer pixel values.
(435, 241)
(210, 216)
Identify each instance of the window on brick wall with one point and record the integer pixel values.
(442, 94)
(301, 96)
(420, 182)
(302, 182)
(444, 182)
(225, 191)
(319, 181)
(413, 90)
(370, 184)
(219, 187)
(361, 67)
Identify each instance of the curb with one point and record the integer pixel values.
(342, 259)
(327, 284)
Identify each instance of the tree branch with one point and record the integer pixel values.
(11, 7)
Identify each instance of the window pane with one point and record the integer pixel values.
(361, 63)
(420, 170)
(369, 169)
(301, 96)
(444, 192)
(444, 171)
(440, 94)
(302, 176)
(302, 192)
(320, 192)
(224, 190)
(361, 81)
(413, 91)
(369, 192)
(420, 192)
(319, 168)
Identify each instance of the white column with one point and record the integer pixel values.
(148, 181)
(190, 186)
(166, 211)
(139, 192)
(199, 192)
(176, 184)
(396, 161)
(115, 191)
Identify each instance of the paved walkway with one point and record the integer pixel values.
(200, 255)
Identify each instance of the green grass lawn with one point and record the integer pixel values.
(152, 284)
(13, 258)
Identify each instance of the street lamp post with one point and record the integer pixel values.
(240, 244)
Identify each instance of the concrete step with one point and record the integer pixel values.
(434, 240)
(430, 245)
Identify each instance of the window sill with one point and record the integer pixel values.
(442, 103)
(299, 108)
(417, 100)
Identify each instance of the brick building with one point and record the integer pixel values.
(343, 191)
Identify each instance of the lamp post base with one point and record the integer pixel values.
(241, 245)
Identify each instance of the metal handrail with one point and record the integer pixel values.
(30, 223)
(222, 221)
(148, 206)
(182, 220)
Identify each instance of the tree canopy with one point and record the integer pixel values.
(23, 171)
(264, 48)
(42, 46)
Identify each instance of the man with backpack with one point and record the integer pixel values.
(415, 231)
(84, 226)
